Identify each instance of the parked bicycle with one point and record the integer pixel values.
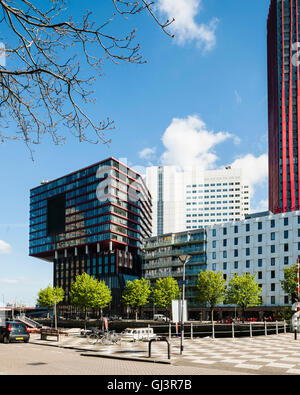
(109, 337)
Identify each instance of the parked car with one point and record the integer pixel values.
(14, 331)
(134, 334)
(160, 317)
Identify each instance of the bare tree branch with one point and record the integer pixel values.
(43, 91)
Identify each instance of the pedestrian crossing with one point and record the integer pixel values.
(274, 354)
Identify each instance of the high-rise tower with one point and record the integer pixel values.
(284, 105)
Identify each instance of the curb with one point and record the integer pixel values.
(127, 358)
(84, 353)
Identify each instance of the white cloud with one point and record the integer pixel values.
(5, 248)
(188, 143)
(262, 205)
(185, 26)
(255, 169)
(147, 153)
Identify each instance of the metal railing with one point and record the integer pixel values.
(231, 330)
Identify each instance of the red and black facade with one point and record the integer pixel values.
(93, 220)
(284, 105)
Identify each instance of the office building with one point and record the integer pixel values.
(190, 199)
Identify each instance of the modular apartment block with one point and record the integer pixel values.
(93, 220)
(264, 245)
(161, 258)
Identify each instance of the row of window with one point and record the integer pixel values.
(259, 226)
(249, 251)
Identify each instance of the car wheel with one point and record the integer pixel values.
(5, 340)
(26, 340)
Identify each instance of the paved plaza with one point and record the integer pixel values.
(274, 354)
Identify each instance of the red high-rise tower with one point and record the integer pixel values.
(284, 105)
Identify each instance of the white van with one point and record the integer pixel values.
(136, 334)
(160, 317)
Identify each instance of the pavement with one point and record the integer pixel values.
(261, 355)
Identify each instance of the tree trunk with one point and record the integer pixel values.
(212, 313)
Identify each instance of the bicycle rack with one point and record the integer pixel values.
(159, 339)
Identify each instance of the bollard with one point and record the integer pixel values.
(276, 328)
(192, 331)
(170, 331)
(232, 326)
(159, 339)
(213, 329)
(250, 329)
(284, 326)
(266, 331)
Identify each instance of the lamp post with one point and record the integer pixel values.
(184, 259)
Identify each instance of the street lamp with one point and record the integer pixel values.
(184, 259)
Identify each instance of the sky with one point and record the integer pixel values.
(201, 99)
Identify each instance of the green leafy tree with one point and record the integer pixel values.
(49, 297)
(243, 291)
(88, 293)
(289, 283)
(164, 291)
(136, 294)
(211, 289)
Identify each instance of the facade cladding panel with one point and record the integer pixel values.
(94, 221)
(284, 105)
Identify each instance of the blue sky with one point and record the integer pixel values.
(211, 80)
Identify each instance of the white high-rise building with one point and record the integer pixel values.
(194, 198)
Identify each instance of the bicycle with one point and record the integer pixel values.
(97, 336)
(94, 337)
(111, 338)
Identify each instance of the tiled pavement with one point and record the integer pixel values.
(274, 354)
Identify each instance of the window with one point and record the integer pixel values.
(286, 260)
(259, 225)
(247, 264)
(236, 253)
(214, 244)
(247, 227)
(272, 287)
(225, 243)
(286, 234)
(259, 250)
(273, 236)
(272, 299)
(236, 241)
(286, 221)
(224, 231)
(236, 265)
(247, 251)
(259, 263)
(259, 275)
(224, 254)
(272, 248)
(272, 273)
(236, 229)
(286, 247)
(214, 255)
(224, 265)
(259, 238)
(273, 261)
(247, 239)
(214, 233)
(272, 223)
